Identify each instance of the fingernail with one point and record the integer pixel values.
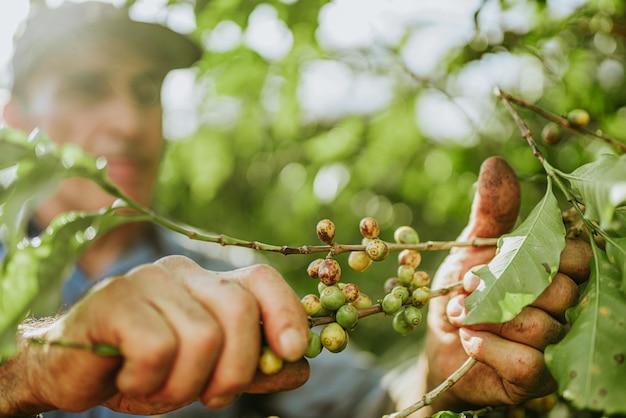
(455, 309)
(292, 344)
(468, 340)
(470, 282)
(465, 336)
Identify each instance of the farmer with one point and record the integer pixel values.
(189, 330)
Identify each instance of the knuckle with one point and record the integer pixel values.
(175, 261)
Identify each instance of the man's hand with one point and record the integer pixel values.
(185, 334)
(511, 365)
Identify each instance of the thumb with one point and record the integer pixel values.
(494, 212)
(496, 201)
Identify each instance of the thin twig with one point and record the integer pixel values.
(561, 121)
(430, 397)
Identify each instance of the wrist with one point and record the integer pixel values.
(18, 395)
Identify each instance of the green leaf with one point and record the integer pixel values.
(32, 168)
(32, 271)
(527, 260)
(616, 251)
(589, 364)
(602, 184)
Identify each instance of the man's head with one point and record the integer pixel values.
(85, 73)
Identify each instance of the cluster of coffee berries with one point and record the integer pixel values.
(552, 133)
(340, 301)
(407, 292)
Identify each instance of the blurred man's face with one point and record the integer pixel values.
(105, 98)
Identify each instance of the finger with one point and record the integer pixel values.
(556, 298)
(199, 336)
(470, 280)
(284, 320)
(496, 201)
(532, 327)
(494, 211)
(145, 339)
(575, 259)
(521, 368)
(236, 310)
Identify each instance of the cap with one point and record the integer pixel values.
(50, 30)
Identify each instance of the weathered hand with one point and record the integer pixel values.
(510, 366)
(185, 334)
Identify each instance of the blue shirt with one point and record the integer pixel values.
(341, 385)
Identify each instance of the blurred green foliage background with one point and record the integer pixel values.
(380, 109)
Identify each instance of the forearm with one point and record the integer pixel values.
(18, 397)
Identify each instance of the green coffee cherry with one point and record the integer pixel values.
(420, 279)
(369, 227)
(322, 312)
(412, 316)
(269, 362)
(326, 230)
(377, 249)
(315, 345)
(329, 272)
(578, 117)
(391, 303)
(333, 337)
(405, 274)
(400, 325)
(402, 291)
(362, 301)
(421, 296)
(311, 304)
(332, 298)
(320, 287)
(359, 261)
(347, 316)
(406, 235)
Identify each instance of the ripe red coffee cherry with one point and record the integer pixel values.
(369, 227)
(326, 230)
